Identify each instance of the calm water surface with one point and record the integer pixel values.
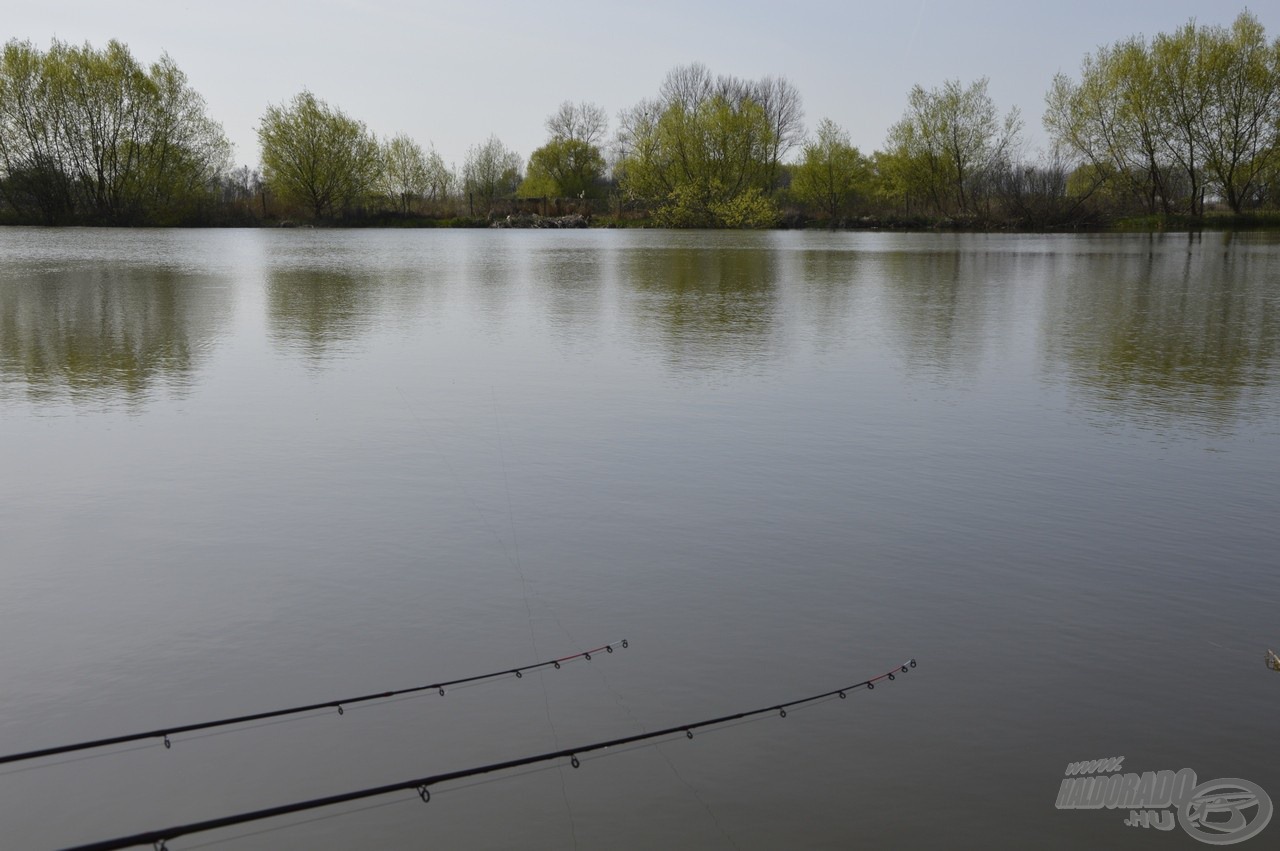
(244, 470)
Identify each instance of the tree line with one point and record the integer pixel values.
(1179, 125)
(93, 136)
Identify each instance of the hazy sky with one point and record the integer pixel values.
(451, 73)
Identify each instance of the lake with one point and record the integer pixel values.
(245, 470)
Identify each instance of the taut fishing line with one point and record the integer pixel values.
(524, 586)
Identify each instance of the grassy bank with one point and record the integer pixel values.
(1218, 221)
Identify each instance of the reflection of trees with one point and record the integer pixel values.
(825, 287)
(573, 285)
(1185, 330)
(105, 332)
(941, 300)
(317, 310)
(707, 304)
(327, 290)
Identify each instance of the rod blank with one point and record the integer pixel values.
(165, 732)
(422, 785)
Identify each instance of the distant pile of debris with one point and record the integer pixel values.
(533, 220)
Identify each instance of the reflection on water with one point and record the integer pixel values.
(1186, 330)
(104, 333)
(803, 454)
(941, 304)
(326, 296)
(318, 311)
(707, 307)
(572, 282)
(1147, 328)
(826, 283)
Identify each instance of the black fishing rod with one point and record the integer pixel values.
(422, 785)
(166, 732)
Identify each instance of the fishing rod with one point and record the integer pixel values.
(422, 785)
(166, 732)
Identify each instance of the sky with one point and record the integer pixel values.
(450, 74)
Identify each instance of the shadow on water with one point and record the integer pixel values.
(101, 334)
(709, 308)
(1169, 335)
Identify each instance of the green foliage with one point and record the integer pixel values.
(92, 135)
(315, 156)
(1195, 112)
(564, 168)
(685, 207)
(750, 208)
(832, 173)
(949, 145)
(702, 156)
(537, 184)
(1241, 124)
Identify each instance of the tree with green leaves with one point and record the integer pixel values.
(1241, 123)
(1109, 121)
(564, 168)
(92, 135)
(701, 153)
(1180, 89)
(831, 173)
(950, 143)
(316, 156)
(1195, 111)
(570, 164)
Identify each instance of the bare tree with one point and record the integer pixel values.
(442, 180)
(687, 86)
(581, 122)
(491, 171)
(784, 110)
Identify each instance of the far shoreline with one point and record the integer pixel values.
(1224, 223)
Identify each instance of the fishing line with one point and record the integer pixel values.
(250, 834)
(515, 561)
(657, 747)
(69, 760)
(422, 785)
(533, 636)
(339, 704)
(916, 28)
(454, 472)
